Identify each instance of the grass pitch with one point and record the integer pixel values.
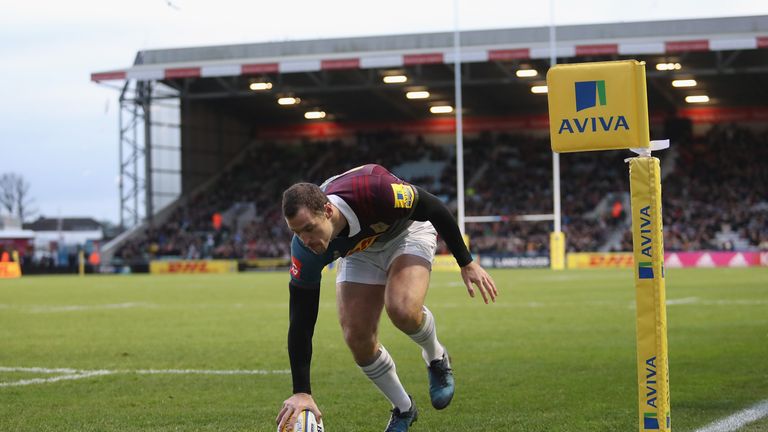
(555, 353)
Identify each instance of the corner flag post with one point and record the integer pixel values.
(81, 263)
(650, 294)
(604, 106)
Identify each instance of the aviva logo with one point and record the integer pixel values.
(650, 421)
(645, 270)
(588, 93)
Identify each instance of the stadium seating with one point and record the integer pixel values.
(706, 186)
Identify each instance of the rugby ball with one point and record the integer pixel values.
(305, 422)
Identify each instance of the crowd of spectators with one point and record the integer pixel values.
(719, 182)
(257, 182)
(517, 181)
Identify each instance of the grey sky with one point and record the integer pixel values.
(60, 130)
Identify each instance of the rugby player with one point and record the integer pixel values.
(385, 230)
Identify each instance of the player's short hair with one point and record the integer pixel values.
(303, 195)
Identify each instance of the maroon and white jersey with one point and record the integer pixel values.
(376, 204)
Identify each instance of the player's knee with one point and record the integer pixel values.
(361, 342)
(403, 317)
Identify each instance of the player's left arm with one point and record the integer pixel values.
(303, 310)
(304, 288)
(303, 307)
(430, 208)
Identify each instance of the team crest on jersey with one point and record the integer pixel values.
(295, 267)
(379, 227)
(403, 195)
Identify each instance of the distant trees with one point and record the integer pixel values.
(14, 196)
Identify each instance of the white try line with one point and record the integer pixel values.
(75, 374)
(701, 302)
(740, 419)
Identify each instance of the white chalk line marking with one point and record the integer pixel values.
(80, 308)
(700, 302)
(607, 303)
(39, 309)
(74, 374)
(740, 419)
(38, 370)
(204, 372)
(686, 300)
(549, 278)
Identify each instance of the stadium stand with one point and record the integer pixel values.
(717, 198)
(507, 170)
(255, 184)
(710, 180)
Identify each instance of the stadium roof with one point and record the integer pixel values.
(63, 224)
(728, 57)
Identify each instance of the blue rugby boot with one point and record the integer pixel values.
(402, 421)
(441, 384)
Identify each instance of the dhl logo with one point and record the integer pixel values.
(611, 261)
(9, 270)
(188, 267)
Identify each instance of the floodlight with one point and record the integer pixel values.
(441, 109)
(395, 79)
(697, 99)
(417, 94)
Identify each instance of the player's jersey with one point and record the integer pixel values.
(377, 206)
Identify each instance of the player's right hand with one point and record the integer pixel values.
(293, 406)
(473, 273)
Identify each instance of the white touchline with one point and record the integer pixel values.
(74, 374)
(80, 308)
(740, 419)
(81, 375)
(38, 370)
(206, 372)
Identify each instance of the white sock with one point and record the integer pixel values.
(383, 373)
(426, 337)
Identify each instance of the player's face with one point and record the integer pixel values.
(313, 229)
